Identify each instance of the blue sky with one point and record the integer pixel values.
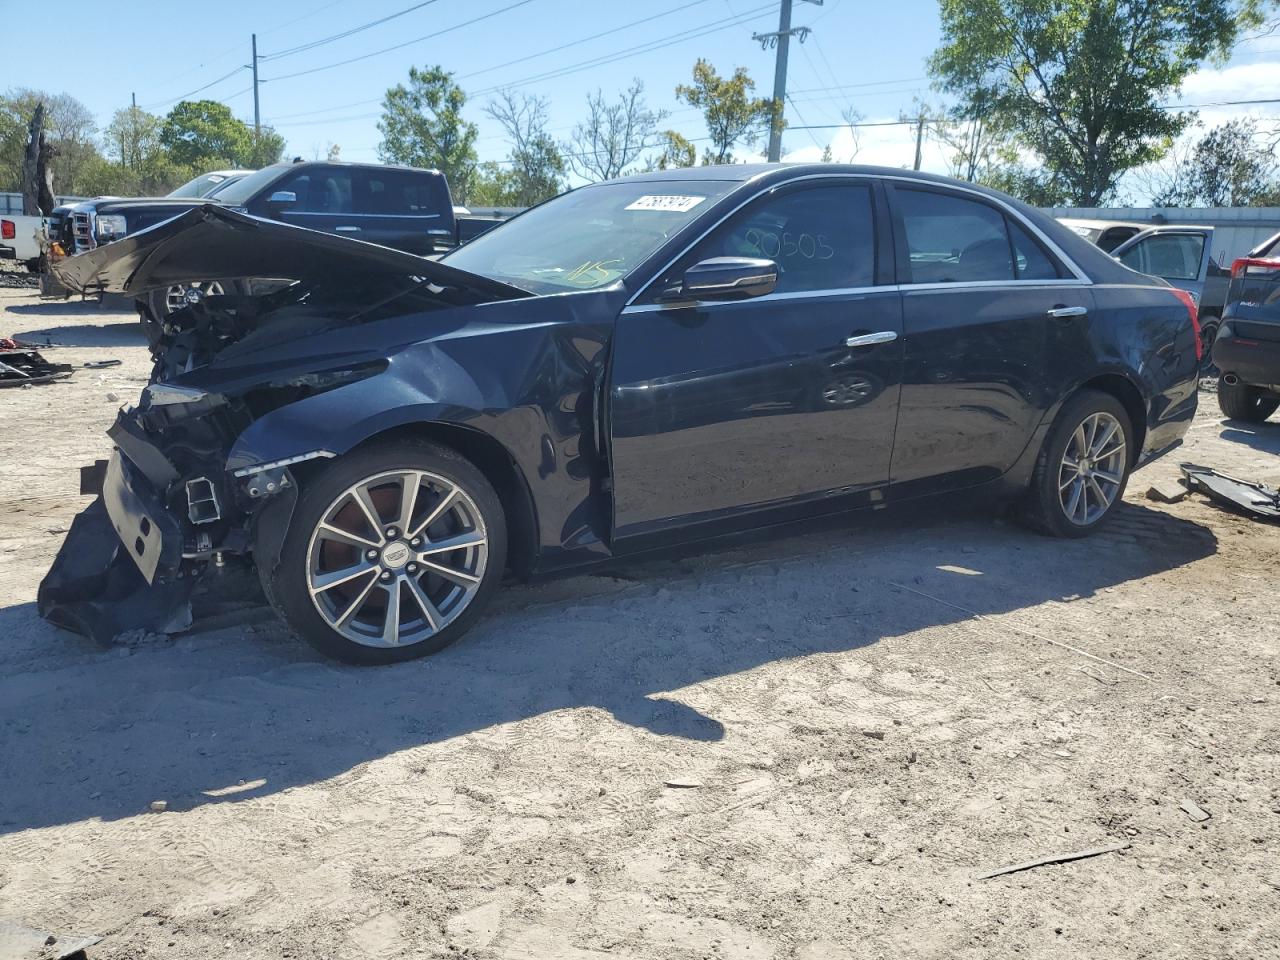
(861, 55)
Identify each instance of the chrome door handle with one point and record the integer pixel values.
(347, 229)
(871, 339)
(1064, 313)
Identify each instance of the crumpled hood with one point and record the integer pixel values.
(212, 242)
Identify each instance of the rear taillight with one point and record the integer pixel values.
(1193, 311)
(7, 230)
(1253, 265)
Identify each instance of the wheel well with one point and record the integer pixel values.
(1131, 399)
(493, 460)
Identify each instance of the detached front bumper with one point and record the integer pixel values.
(120, 567)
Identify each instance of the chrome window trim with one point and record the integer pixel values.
(857, 291)
(1080, 278)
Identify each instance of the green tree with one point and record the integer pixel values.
(422, 126)
(1080, 82)
(731, 113)
(1230, 166)
(265, 147)
(204, 134)
(613, 135)
(132, 138)
(493, 185)
(676, 152)
(537, 167)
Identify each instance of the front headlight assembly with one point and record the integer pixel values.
(111, 226)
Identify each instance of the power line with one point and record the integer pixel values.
(342, 35)
(398, 46)
(714, 26)
(191, 93)
(595, 36)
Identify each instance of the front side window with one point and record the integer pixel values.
(821, 238)
(1173, 256)
(590, 237)
(320, 191)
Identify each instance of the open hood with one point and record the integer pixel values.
(212, 243)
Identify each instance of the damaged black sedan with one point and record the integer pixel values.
(656, 360)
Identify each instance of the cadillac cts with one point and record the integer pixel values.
(659, 359)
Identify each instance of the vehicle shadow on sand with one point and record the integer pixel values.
(100, 733)
(116, 333)
(1263, 437)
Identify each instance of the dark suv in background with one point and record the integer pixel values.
(399, 207)
(1247, 348)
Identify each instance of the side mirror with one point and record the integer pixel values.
(726, 278)
(283, 197)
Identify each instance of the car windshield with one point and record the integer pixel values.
(240, 192)
(203, 185)
(217, 188)
(590, 237)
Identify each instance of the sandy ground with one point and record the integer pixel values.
(801, 749)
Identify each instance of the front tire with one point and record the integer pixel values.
(1083, 469)
(392, 553)
(1240, 401)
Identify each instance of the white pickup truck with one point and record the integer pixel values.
(19, 235)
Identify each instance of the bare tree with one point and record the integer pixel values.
(537, 167)
(37, 173)
(614, 135)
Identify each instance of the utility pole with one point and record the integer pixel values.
(781, 42)
(919, 138)
(133, 99)
(257, 119)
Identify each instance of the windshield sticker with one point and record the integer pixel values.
(664, 203)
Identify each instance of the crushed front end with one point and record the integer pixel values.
(173, 502)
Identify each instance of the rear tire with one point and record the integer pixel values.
(1083, 468)
(339, 579)
(1240, 401)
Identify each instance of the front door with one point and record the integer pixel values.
(982, 300)
(728, 408)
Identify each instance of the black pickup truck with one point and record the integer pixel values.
(400, 207)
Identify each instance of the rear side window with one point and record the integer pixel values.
(822, 238)
(1030, 260)
(404, 194)
(953, 239)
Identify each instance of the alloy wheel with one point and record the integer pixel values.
(185, 294)
(1092, 469)
(396, 558)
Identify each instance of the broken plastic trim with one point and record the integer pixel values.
(1251, 498)
(285, 462)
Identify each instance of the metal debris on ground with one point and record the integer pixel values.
(1196, 812)
(19, 941)
(1054, 858)
(21, 366)
(13, 279)
(1258, 501)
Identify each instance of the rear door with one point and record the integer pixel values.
(405, 209)
(983, 296)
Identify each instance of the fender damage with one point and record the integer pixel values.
(173, 501)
